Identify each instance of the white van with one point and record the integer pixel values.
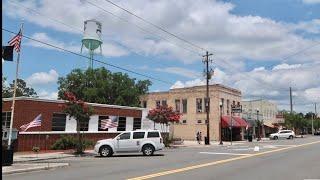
(145, 141)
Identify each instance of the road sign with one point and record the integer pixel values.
(236, 109)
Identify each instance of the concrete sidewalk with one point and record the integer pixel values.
(20, 158)
(20, 168)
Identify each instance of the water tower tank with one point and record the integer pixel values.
(92, 35)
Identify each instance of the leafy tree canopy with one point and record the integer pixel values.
(22, 89)
(102, 86)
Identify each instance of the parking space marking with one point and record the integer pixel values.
(217, 162)
(232, 154)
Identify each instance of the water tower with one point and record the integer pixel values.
(92, 38)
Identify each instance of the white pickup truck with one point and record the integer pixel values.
(145, 141)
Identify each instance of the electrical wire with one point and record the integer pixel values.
(154, 25)
(83, 56)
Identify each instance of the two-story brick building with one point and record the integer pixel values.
(191, 101)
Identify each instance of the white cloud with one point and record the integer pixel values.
(180, 71)
(41, 78)
(286, 66)
(43, 94)
(311, 1)
(271, 84)
(312, 26)
(209, 24)
(107, 48)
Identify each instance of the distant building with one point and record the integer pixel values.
(268, 112)
(191, 102)
(55, 123)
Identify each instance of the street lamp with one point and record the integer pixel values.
(259, 138)
(220, 124)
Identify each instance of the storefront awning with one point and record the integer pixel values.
(236, 122)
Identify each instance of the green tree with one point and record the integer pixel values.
(102, 86)
(22, 89)
(80, 111)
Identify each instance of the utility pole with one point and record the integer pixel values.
(291, 101)
(315, 117)
(208, 76)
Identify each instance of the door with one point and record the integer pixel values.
(138, 137)
(282, 134)
(124, 142)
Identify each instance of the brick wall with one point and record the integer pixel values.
(27, 110)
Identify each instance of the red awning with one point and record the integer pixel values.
(236, 122)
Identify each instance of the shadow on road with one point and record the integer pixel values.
(128, 155)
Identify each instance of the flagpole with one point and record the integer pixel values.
(14, 91)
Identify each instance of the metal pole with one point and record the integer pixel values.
(231, 129)
(207, 96)
(259, 124)
(220, 125)
(14, 91)
(291, 109)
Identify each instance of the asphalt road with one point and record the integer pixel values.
(283, 159)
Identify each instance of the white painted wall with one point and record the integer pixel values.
(71, 125)
(129, 124)
(93, 123)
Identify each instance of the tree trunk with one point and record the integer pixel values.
(79, 144)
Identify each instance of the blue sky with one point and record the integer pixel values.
(249, 39)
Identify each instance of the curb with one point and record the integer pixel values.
(40, 159)
(34, 169)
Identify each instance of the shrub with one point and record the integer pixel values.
(35, 149)
(69, 142)
(65, 142)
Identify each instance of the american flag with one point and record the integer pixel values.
(36, 122)
(111, 122)
(16, 41)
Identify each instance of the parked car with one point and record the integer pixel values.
(145, 141)
(317, 133)
(288, 134)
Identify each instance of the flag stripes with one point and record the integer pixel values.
(109, 123)
(36, 122)
(16, 41)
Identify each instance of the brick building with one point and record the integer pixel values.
(55, 123)
(191, 103)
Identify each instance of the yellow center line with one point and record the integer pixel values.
(216, 162)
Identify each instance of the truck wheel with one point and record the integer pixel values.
(275, 138)
(290, 137)
(105, 151)
(147, 150)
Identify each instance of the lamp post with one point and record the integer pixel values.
(220, 124)
(259, 138)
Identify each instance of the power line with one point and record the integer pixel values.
(83, 56)
(142, 29)
(69, 26)
(157, 26)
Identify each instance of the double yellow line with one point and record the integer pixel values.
(216, 162)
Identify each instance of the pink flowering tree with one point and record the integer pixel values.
(164, 115)
(80, 111)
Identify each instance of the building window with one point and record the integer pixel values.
(157, 103)
(228, 107)
(238, 103)
(233, 103)
(199, 121)
(84, 126)
(99, 123)
(184, 105)
(177, 103)
(199, 104)
(58, 122)
(222, 103)
(207, 103)
(144, 104)
(122, 124)
(206, 121)
(136, 123)
(164, 102)
(6, 118)
(184, 121)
